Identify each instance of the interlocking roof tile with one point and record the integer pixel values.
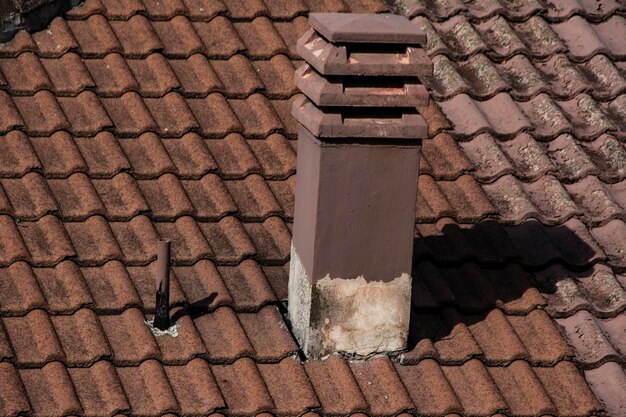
(29, 196)
(81, 337)
(289, 386)
(203, 286)
(93, 241)
(68, 74)
(111, 287)
(121, 197)
(166, 197)
(608, 383)
(196, 76)
(214, 115)
(136, 36)
(95, 36)
(190, 155)
(210, 197)
(17, 156)
(237, 76)
(276, 156)
(130, 339)
(186, 345)
(242, 387)
(99, 390)
(154, 76)
(129, 114)
(13, 397)
(20, 289)
(50, 390)
(247, 285)
(223, 335)
(25, 75)
(195, 387)
(219, 37)
(253, 197)
(179, 37)
(63, 287)
(58, 154)
(188, 242)
(122, 11)
(54, 42)
(147, 156)
(142, 278)
(268, 334)
(204, 9)
(112, 75)
(172, 115)
(136, 240)
(41, 113)
(147, 389)
(33, 339)
(234, 157)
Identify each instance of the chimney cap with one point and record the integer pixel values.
(366, 28)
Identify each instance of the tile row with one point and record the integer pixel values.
(114, 287)
(501, 39)
(562, 79)
(130, 115)
(546, 118)
(516, 10)
(137, 37)
(531, 243)
(153, 76)
(331, 387)
(95, 241)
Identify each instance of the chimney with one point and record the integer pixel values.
(359, 137)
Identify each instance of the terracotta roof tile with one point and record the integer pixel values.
(276, 156)
(59, 155)
(237, 75)
(210, 197)
(504, 347)
(17, 156)
(203, 286)
(286, 10)
(12, 247)
(171, 115)
(337, 6)
(81, 337)
(10, 114)
(55, 41)
(63, 287)
(121, 197)
(482, 396)
(204, 9)
(22, 42)
(143, 280)
(540, 336)
(157, 11)
(567, 389)
(289, 386)
(112, 75)
(185, 346)
(190, 155)
(21, 292)
(238, 11)
(123, 11)
(68, 73)
(95, 36)
(136, 239)
(99, 389)
(584, 39)
(136, 36)
(268, 334)
(195, 387)
(147, 389)
(188, 242)
(335, 385)
(261, 38)
(166, 197)
(277, 76)
(111, 287)
(50, 390)
(29, 196)
(85, 10)
(154, 75)
(612, 237)
(25, 74)
(129, 337)
(278, 278)
(256, 115)
(129, 114)
(196, 76)
(78, 197)
(93, 241)
(33, 339)
(242, 387)
(607, 383)
(219, 37)
(442, 157)
(247, 285)
(234, 157)
(272, 239)
(6, 354)
(381, 386)
(41, 113)
(13, 397)
(147, 156)
(103, 155)
(215, 116)
(179, 37)
(253, 197)
(229, 240)
(223, 335)
(46, 240)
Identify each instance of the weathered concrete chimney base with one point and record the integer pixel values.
(350, 315)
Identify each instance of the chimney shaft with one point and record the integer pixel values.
(359, 138)
(162, 315)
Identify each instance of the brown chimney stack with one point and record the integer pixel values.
(358, 151)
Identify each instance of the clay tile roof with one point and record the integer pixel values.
(123, 122)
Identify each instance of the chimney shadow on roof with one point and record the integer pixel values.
(195, 309)
(467, 280)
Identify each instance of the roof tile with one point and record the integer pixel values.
(123, 11)
(95, 36)
(251, 10)
(268, 334)
(256, 115)
(276, 156)
(237, 75)
(147, 156)
(111, 287)
(166, 197)
(55, 41)
(210, 198)
(33, 339)
(63, 287)
(272, 239)
(159, 11)
(77, 197)
(195, 387)
(261, 38)
(584, 39)
(196, 76)
(203, 286)
(29, 196)
(20, 290)
(25, 75)
(290, 32)
(608, 383)
(12, 247)
(148, 389)
(179, 38)
(612, 238)
(42, 113)
(50, 390)
(171, 115)
(137, 240)
(185, 346)
(81, 337)
(242, 387)
(111, 75)
(129, 115)
(204, 9)
(188, 242)
(541, 337)
(85, 10)
(46, 240)
(10, 114)
(223, 335)
(59, 155)
(234, 157)
(17, 156)
(93, 240)
(442, 157)
(103, 155)
(137, 36)
(229, 240)
(247, 285)
(99, 389)
(154, 75)
(129, 337)
(121, 197)
(13, 397)
(277, 76)
(215, 116)
(278, 278)
(335, 386)
(497, 338)
(286, 10)
(190, 155)
(253, 198)
(143, 280)
(289, 386)
(68, 73)
(219, 37)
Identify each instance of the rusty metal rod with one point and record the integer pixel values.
(162, 316)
